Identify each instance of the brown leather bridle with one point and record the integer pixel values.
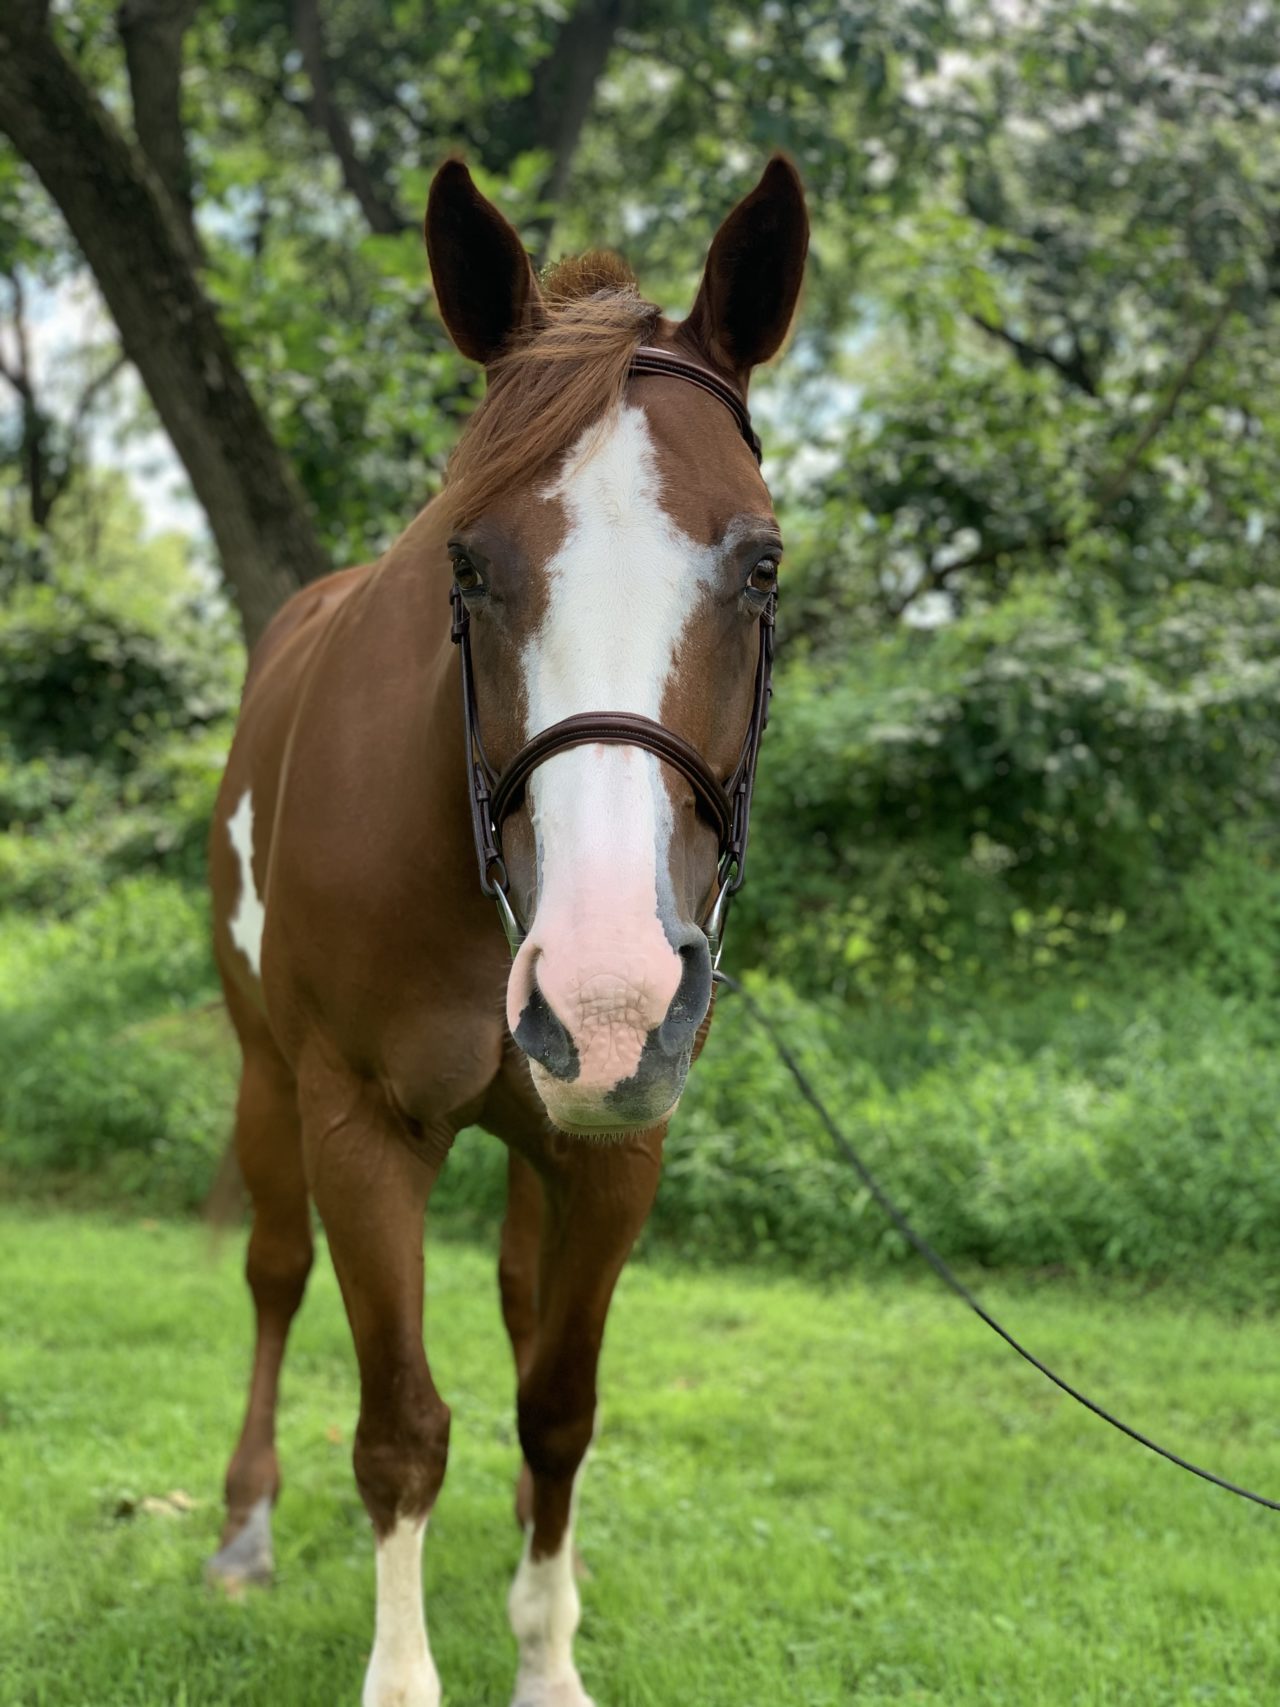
(495, 795)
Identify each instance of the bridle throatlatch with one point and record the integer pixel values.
(727, 805)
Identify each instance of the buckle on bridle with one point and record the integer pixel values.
(461, 615)
(713, 930)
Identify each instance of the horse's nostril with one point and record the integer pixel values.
(544, 1039)
(691, 1000)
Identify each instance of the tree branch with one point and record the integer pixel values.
(13, 376)
(1109, 488)
(33, 448)
(109, 197)
(937, 576)
(89, 396)
(1074, 369)
(59, 481)
(152, 32)
(1115, 485)
(323, 111)
(564, 83)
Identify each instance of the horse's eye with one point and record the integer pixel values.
(763, 580)
(467, 576)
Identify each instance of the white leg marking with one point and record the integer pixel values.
(544, 1609)
(401, 1672)
(247, 1557)
(250, 916)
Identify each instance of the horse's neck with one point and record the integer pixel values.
(376, 728)
(388, 669)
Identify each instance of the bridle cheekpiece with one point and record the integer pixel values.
(495, 795)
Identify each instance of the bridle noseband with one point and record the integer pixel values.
(494, 795)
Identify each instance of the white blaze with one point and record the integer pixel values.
(621, 590)
(401, 1672)
(247, 921)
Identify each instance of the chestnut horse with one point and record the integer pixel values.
(613, 551)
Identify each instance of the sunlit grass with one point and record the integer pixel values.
(799, 1495)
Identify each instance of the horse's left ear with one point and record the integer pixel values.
(753, 274)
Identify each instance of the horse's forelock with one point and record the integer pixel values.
(560, 378)
(576, 276)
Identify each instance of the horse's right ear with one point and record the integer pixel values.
(483, 279)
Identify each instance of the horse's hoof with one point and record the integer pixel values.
(398, 1685)
(565, 1692)
(247, 1558)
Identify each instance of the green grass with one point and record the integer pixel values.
(800, 1495)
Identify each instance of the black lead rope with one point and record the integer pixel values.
(943, 1269)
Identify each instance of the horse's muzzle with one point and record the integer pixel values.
(606, 1056)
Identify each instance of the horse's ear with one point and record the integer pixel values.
(753, 274)
(482, 276)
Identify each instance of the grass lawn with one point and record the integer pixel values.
(799, 1496)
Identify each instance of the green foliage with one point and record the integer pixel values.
(1119, 1126)
(102, 1068)
(77, 678)
(1088, 1128)
(998, 795)
(1227, 920)
(1013, 880)
(72, 827)
(1064, 354)
(118, 677)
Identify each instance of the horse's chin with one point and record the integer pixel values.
(591, 1119)
(609, 1134)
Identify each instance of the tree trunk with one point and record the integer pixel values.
(380, 213)
(564, 87)
(117, 212)
(152, 32)
(564, 84)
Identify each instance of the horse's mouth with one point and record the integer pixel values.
(598, 1134)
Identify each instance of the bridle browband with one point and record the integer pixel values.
(494, 795)
(660, 363)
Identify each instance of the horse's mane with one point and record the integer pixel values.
(549, 387)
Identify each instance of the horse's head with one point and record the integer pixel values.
(616, 549)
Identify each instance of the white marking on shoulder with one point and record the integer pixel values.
(401, 1672)
(247, 922)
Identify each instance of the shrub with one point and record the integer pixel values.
(108, 1065)
(1091, 1128)
(80, 678)
(1123, 1126)
(1008, 792)
(1228, 914)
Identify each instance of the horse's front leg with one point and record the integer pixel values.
(371, 1181)
(597, 1199)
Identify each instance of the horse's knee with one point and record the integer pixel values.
(401, 1451)
(277, 1267)
(555, 1431)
